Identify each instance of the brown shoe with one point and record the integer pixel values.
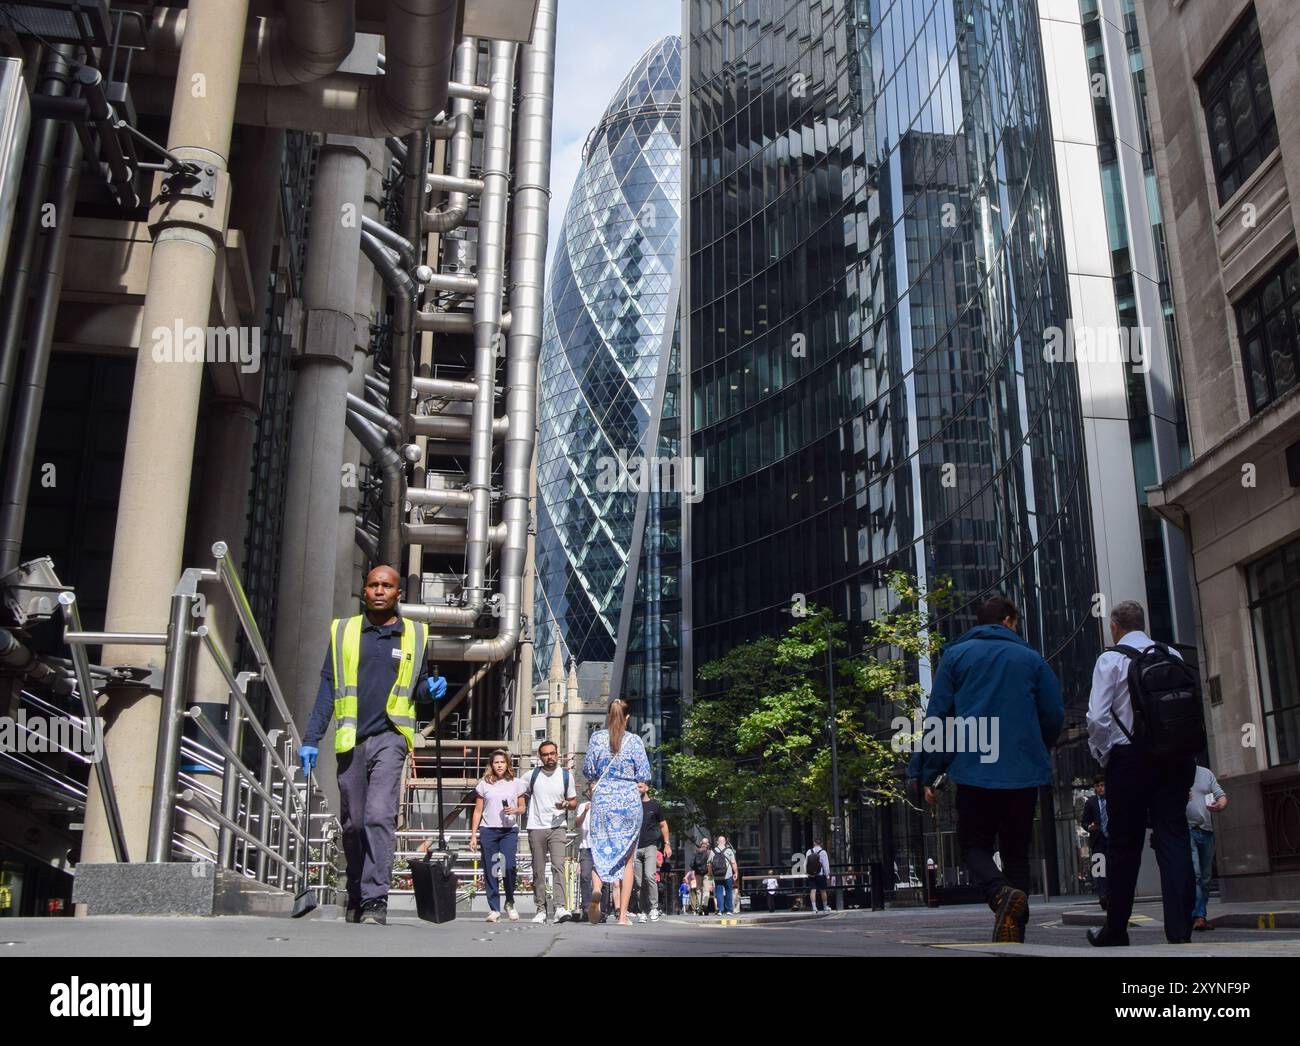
(1202, 924)
(1011, 913)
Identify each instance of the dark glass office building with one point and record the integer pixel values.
(608, 525)
(875, 262)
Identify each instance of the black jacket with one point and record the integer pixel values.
(1091, 816)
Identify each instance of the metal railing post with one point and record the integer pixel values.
(163, 816)
(268, 782)
(230, 780)
(86, 694)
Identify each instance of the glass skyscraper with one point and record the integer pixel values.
(608, 537)
(875, 269)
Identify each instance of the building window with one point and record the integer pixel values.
(1238, 107)
(539, 706)
(1268, 322)
(539, 734)
(1275, 617)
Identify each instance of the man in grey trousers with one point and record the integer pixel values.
(551, 796)
(374, 673)
(654, 831)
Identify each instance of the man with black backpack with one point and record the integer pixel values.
(551, 796)
(1145, 727)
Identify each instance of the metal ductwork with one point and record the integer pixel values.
(390, 465)
(441, 388)
(453, 426)
(487, 311)
(393, 241)
(454, 214)
(419, 37)
(396, 279)
(528, 272)
(309, 41)
(453, 322)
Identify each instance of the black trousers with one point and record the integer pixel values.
(1141, 790)
(1000, 819)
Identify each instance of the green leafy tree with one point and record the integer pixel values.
(764, 740)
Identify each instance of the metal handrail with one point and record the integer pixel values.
(261, 818)
(85, 692)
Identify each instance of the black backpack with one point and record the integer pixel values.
(813, 862)
(1165, 693)
(719, 865)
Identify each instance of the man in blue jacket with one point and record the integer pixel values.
(993, 688)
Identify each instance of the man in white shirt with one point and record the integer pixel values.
(1140, 790)
(817, 866)
(1206, 797)
(551, 796)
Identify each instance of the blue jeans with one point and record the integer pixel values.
(500, 847)
(1202, 864)
(726, 896)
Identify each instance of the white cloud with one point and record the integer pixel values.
(597, 43)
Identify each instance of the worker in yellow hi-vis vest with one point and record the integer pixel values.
(375, 671)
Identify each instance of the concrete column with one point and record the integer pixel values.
(348, 562)
(149, 540)
(305, 602)
(231, 426)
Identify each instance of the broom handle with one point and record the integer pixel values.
(437, 763)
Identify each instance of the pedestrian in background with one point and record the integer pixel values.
(725, 876)
(700, 874)
(617, 763)
(817, 866)
(1206, 798)
(551, 793)
(654, 833)
(1096, 822)
(498, 803)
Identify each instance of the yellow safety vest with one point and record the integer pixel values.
(345, 656)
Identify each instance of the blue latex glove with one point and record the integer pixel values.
(437, 687)
(307, 757)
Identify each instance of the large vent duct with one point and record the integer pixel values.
(453, 215)
(527, 271)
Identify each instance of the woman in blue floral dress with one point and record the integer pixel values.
(617, 763)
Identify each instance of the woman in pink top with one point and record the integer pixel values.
(496, 807)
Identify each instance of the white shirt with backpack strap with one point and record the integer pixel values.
(544, 791)
(1109, 700)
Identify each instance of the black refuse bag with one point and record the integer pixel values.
(435, 888)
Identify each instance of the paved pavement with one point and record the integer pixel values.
(953, 932)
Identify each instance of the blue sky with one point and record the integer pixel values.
(597, 43)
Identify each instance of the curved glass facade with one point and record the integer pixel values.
(875, 264)
(608, 398)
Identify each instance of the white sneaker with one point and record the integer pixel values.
(563, 915)
(510, 911)
(540, 917)
(641, 917)
(493, 917)
(654, 915)
(815, 910)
